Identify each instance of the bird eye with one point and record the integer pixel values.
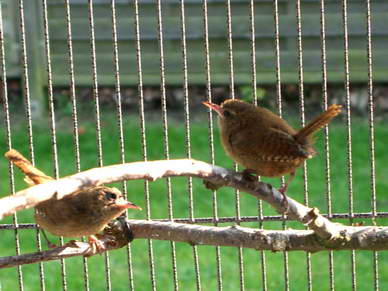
(110, 196)
(227, 113)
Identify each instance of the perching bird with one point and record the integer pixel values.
(82, 213)
(264, 143)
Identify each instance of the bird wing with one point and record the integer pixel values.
(273, 145)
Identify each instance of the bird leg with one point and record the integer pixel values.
(211, 185)
(95, 244)
(49, 243)
(284, 188)
(126, 227)
(250, 175)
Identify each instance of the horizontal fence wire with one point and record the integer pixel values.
(231, 219)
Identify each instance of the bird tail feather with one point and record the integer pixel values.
(319, 122)
(33, 175)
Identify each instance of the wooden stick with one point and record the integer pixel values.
(358, 238)
(215, 177)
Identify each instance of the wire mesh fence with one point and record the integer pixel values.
(142, 134)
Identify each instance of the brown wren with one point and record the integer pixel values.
(82, 213)
(264, 143)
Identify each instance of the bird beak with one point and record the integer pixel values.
(132, 205)
(215, 107)
(126, 204)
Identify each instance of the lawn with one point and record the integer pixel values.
(202, 208)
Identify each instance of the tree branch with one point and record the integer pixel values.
(116, 235)
(214, 175)
(357, 238)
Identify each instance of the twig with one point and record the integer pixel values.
(357, 238)
(153, 170)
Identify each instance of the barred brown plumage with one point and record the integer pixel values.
(264, 143)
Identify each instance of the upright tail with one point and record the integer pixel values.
(319, 122)
(33, 175)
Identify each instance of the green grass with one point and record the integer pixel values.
(202, 208)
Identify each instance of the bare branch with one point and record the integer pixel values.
(65, 251)
(57, 189)
(357, 238)
(216, 176)
(116, 235)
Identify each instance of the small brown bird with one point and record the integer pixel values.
(263, 142)
(82, 213)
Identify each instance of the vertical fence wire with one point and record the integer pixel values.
(52, 116)
(302, 117)
(372, 137)
(232, 95)
(164, 119)
(119, 115)
(188, 136)
(7, 122)
(75, 120)
(349, 131)
(27, 107)
(50, 91)
(25, 79)
(98, 120)
(255, 101)
(211, 133)
(119, 112)
(326, 132)
(143, 142)
(277, 57)
(95, 83)
(72, 88)
(165, 134)
(187, 123)
(280, 111)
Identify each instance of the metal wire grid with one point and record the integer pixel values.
(9, 143)
(215, 219)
